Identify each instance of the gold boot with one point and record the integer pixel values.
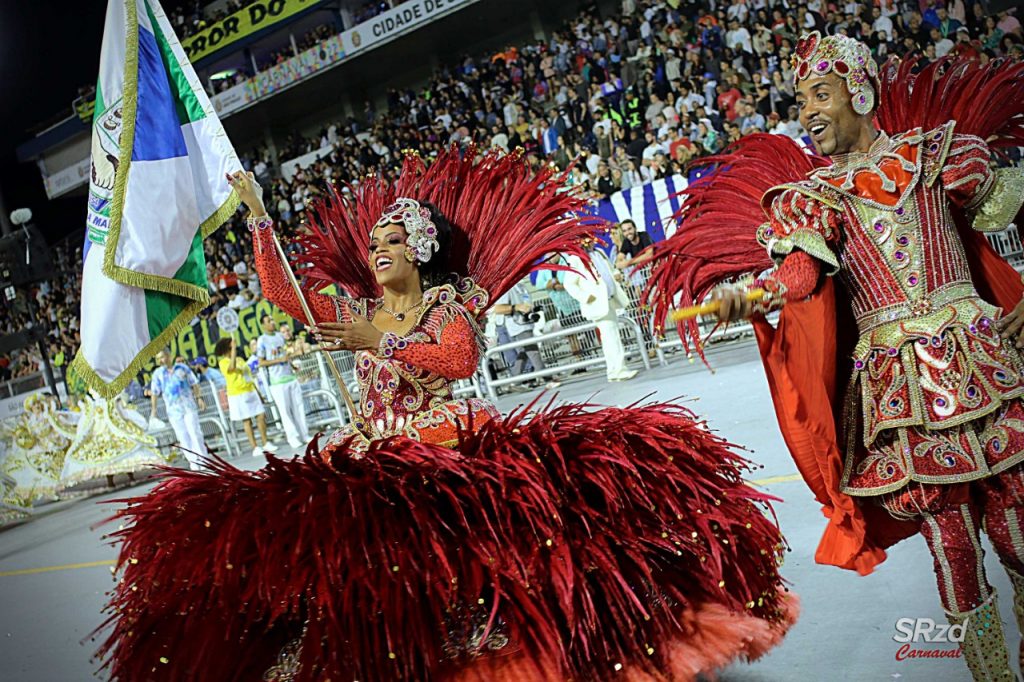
(1018, 609)
(984, 646)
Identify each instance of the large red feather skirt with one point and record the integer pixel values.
(569, 543)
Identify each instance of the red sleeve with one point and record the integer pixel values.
(966, 174)
(794, 279)
(276, 287)
(454, 356)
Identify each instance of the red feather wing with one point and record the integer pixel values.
(986, 100)
(717, 223)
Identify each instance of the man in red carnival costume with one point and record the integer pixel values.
(899, 388)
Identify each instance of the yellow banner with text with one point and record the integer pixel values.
(243, 23)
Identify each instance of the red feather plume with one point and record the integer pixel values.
(984, 100)
(505, 217)
(718, 219)
(641, 546)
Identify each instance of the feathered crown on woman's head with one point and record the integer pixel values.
(505, 219)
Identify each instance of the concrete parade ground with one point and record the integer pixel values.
(55, 569)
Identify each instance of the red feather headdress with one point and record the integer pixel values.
(984, 100)
(505, 218)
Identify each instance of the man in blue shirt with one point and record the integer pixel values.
(207, 373)
(179, 387)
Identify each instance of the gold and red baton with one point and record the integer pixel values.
(710, 307)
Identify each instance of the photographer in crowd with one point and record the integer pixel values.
(514, 319)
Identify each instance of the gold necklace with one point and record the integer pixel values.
(400, 315)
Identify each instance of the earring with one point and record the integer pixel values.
(409, 256)
(864, 102)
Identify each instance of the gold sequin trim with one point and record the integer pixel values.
(1002, 202)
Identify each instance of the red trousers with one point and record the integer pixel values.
(951, 518)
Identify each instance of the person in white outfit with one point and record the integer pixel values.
(285, 389)
(179, 387)
(600, 296)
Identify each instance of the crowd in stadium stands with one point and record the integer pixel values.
(56, 303)
(633, 96)
(371, 9)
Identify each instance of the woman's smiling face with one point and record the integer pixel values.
(387, 255)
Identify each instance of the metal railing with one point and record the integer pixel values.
(559, 366)
(1007, 244)
(28, 383)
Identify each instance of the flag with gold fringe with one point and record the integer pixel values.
(157, 189)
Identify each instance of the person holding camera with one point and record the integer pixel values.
(513, 322)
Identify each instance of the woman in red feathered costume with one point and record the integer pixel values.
(433, 539)
(900, 387)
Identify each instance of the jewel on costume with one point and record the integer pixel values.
(421, 233)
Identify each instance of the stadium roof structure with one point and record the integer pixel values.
(311, 84)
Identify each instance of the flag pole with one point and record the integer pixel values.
(312, 323)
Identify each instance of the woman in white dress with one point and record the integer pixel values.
(32, 450)
(111, 439)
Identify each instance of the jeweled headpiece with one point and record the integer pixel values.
(421, 233)
(847, 58)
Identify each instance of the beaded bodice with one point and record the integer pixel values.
(899, 253)
(392, 391)
(409, 379)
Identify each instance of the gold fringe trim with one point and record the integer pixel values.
(80, 366)
(129, 109)
(221, 215)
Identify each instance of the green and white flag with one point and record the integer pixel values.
(159, 155)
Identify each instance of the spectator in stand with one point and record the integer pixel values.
(633, 244)
(285, 390)
(751, 121)
(941, 44)
(728, 97)
(1009, 24)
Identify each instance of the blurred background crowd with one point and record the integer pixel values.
(628, 98)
